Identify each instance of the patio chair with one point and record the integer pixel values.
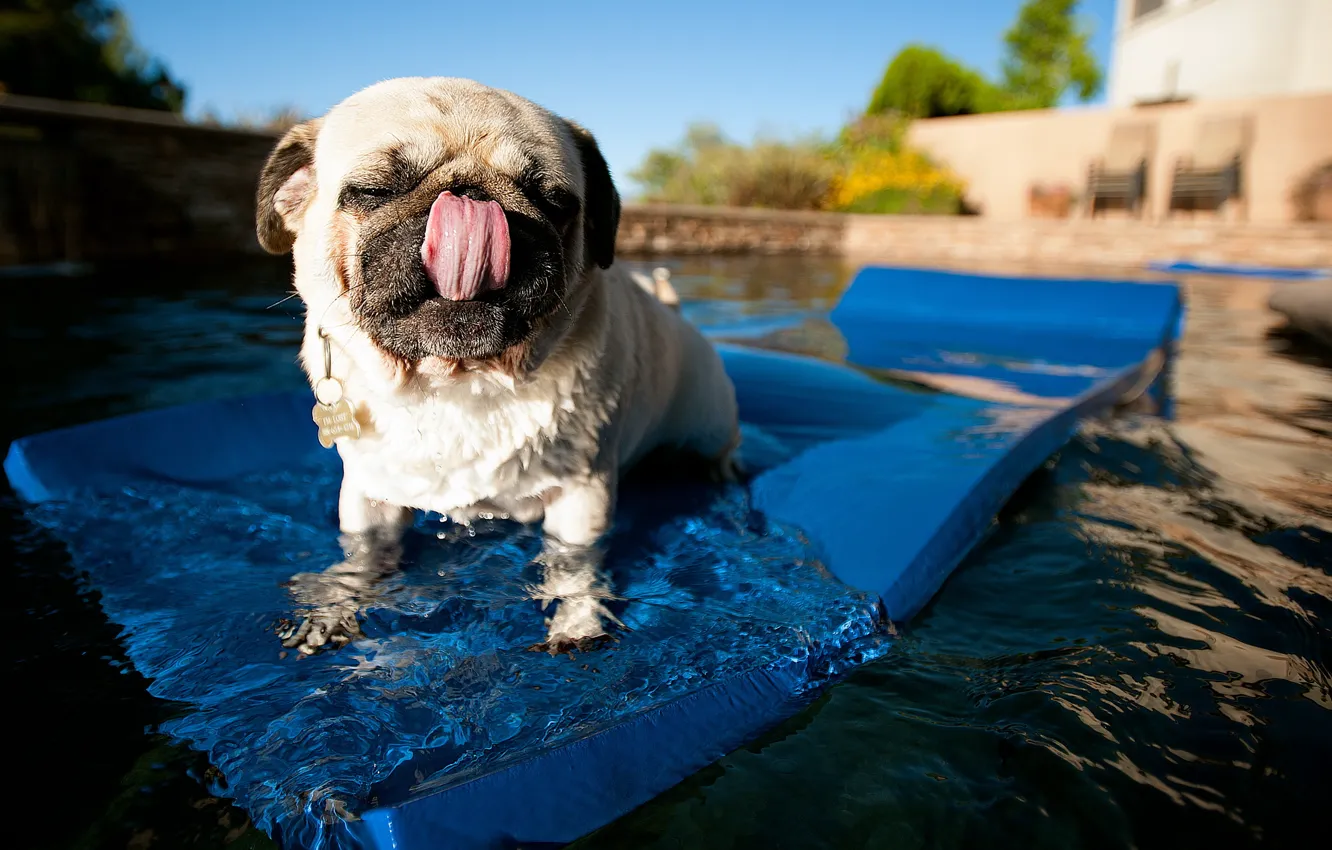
(1211, 175)
(1119, 177)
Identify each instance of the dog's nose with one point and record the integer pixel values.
(466, 247)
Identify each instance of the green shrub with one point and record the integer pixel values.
(876, 131)
(780, 176)
(707, 169)
(921, 82)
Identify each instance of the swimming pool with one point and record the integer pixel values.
(1134, 658)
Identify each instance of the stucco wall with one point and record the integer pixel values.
(1001, 155)
(1221, 49)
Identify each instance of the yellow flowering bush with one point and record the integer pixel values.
(879, 173)
(907, 172)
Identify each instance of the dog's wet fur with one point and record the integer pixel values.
(528, 398)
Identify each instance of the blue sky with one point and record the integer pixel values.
(635, 73)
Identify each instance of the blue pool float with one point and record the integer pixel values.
(1239, 270)
(872, 480)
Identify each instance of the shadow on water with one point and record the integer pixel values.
(1137, 657)
(85, 348)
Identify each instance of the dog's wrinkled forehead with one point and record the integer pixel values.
(430, 122)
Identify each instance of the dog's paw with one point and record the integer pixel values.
(568, 646)
(330, 627)
(582, 623)
(331, 601)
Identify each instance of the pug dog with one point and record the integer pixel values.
(473, 347)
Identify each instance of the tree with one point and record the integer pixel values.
(80, 50)
(1048, 53)
(921, 82)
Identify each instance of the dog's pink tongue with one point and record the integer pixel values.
(466, 247)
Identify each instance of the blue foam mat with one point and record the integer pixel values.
(439, 729)
(1240, 270)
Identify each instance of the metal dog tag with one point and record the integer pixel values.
(333, 413)
(335, 420)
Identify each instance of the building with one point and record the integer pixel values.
(1179, 69)
(1167, 50)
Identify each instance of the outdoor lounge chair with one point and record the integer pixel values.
(1119, 178)
(1210, 176)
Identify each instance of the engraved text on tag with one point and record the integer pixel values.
(335, 420)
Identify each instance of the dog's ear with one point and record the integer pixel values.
(285, 188)
(601, 213)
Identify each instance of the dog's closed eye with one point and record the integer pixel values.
(558, 204)
(366, 197)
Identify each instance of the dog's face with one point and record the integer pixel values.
(454, 219)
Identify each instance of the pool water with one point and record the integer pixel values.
(1138, 657)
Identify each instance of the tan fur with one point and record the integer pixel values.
(547, 427)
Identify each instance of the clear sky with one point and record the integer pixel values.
(635, 73)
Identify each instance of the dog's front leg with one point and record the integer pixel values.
(371, 542)
(573, 579)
